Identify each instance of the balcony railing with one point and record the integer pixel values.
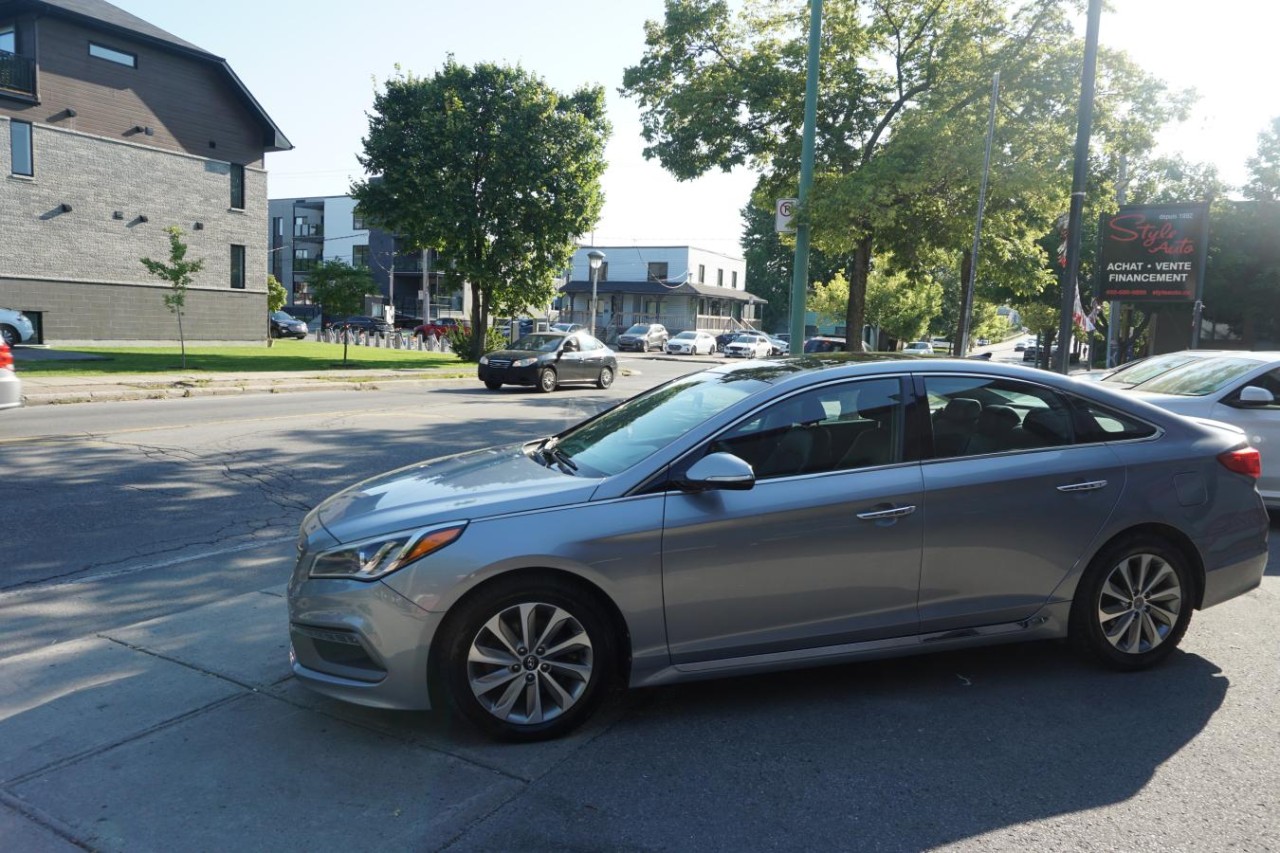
(308, 230)
(305, 264)
(17, 73)
(411, 264)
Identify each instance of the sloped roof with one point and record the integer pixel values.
(101, 15)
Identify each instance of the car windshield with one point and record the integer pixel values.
(638, 329)
(1140, 371)
(538, 343)
(624, 435)
(283, 316)
(1200, 377)
(685, 336)
(745, 339)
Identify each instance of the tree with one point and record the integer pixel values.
(340, 289)
(902, 307)
(179, 272)
(902, 116)
(276, 294)
(492, 168)
(1264, 167)
(829, 300)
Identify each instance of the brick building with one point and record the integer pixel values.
(100, 150)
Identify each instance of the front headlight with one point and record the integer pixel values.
(376, 558)
(525, 362)
(484, 359)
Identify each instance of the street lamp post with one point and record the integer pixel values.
(595, 257)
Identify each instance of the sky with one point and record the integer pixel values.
(314, 67)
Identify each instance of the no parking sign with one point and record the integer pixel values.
(783, 213)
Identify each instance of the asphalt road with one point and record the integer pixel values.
(145, 703)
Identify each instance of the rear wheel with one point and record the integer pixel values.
(1133, 604)
(547, 380)
(526, 660)
(605, 379)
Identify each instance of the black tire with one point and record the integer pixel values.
(492, 385)
(1137, 619)
(547, 380)
(9, 335)
(605, 379)
(561, 696)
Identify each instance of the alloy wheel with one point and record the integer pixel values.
(1139, 603)
(530, 663)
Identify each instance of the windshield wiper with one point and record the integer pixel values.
(551, 453)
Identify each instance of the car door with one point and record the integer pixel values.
(593, 357)
(823, 550)
(571, 366)
(1012, 500)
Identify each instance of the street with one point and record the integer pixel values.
(146, 701)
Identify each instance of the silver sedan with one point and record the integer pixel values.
(774, 515)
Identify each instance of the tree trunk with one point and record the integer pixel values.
(855, 316)
(182, 341)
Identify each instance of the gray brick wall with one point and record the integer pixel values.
(81, 268)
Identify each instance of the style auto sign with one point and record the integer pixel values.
(1153, 253)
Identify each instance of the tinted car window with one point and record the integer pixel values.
(538, 343)
(1096, 422)
(976, 415)
(836, 427)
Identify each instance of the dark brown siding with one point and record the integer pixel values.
(187, 102)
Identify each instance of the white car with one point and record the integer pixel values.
(919, 348)
(780, 346)
(15, 327)
(749, 346)
(692, 343)
(10, 384)
(1238, 388)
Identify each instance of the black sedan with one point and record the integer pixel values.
(285, 325)
(372, 325)
(547, 360)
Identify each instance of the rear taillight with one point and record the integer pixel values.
(1247, 461)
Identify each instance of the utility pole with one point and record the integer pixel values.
(966, 304)
(800, 273)
(1084, 125)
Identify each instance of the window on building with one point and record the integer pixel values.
(112, 55)
(237, 186)
(360, 256)
(24, 162)
(719, 278)
(658, 271)
(733, 279)
(277, 226)
(8, 38)
(357, 222)
(702, 273)
(237, 267)
(299, 226)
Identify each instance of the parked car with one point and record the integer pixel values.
(778, 346)
(372, 325)
(438, 327)
(1140, 370)
(10, 384)
(547, 360)
(824, 343)
(723, 339)
(691, 532)
(749, 345)
(285, 325)
(524, 326)
(15, 327)
(941, 346)
(919, 348)
(692, 343)
(567, 327)
(643, 337)
(1030, 352)
(406, 321)
(984, 342)
(1238, 388)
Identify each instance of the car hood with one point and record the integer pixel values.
(515, 354)
(472, 485)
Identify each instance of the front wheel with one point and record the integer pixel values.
(1133, 604)
(492, 385)
(605, 379)
(526, 660)
(10, 335)
(547, 380)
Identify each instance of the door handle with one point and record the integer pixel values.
(1090, 486)
(895, 512)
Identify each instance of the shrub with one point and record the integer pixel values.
(459, 338)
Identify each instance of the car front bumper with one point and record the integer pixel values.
(508, 375)
(361, 642)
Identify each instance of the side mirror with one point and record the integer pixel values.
(718, 471)
(1252, 397)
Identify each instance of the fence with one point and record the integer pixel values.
(394, 340)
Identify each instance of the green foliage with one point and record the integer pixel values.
(1264, 167)
(179, 272)
(339, 287)
(770, 259)
(902, 305)
(463, 342)
(829, 300)
(1242, 280)
(493, 168)
(276, 294)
